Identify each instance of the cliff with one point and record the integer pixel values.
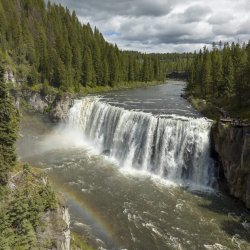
(232, 145)
(57, 229)
(56, 105)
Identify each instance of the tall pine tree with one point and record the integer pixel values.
(8, 130)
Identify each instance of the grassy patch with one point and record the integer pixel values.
(119, 86)
(210, 107)
(204, 107)
(79, 242)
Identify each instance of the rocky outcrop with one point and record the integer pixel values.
(55, 233)
(64, 242)
(232, 145)
(9, 76)
(56, 105)
(60, 107)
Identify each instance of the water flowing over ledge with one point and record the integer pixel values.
(174, 148)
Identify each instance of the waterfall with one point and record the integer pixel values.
(174, 148)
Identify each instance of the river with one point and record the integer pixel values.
(136, 172)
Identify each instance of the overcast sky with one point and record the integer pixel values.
(165, 25)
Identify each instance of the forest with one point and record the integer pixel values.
(222, 76)
(46, 44)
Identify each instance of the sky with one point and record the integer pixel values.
(165, 25)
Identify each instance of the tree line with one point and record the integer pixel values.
(46, 43)
(222, 74)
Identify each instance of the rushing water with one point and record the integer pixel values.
(172, 147)
(135, 169)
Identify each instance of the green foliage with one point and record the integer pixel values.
(8, 130)
(49, 44)
(22, 207)
(78, 242)
(222, 76)
(22, 210)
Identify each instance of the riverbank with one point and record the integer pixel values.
(220, 109)
(56, 103)
(83, 91)
(119, 86)
(204, 107)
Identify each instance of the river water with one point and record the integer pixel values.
(135, 169)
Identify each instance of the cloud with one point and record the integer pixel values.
(165, 25)
(98, 8)
(220, 18)
(195, 13)
(243, 28)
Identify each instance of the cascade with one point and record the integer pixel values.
(172, 147)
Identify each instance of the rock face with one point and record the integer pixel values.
(9, 76)
(232, 145)
(63, 243)
(60, 107)
(55, 235)
(56, 105)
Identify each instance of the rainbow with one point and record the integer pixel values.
(85, 210)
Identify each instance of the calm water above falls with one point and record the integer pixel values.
(119, 169)
(159, 100)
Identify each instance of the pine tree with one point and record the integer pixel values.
(88, 72)
(145, 74)
(131, 73)
(8, 130)
(97, 64)
(113, 68)
(206, 73)
(228, 74)
(28, 239)
(240, 62)
(216, 72)
(105, 72)
(247, 72)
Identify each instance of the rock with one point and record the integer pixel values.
(16, 98)
(232, 145)
(56, 105)
(63, 243)
(9, 77)
(37, 102)
(56, 230)
(60, 108)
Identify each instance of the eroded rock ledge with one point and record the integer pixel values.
(56, 105)
(232, 145)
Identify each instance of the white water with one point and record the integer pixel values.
(174, 148)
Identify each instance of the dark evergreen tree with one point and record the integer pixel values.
(228, 73)
(8, 130)
(205, 73)
(216, 72)
(88, 71)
